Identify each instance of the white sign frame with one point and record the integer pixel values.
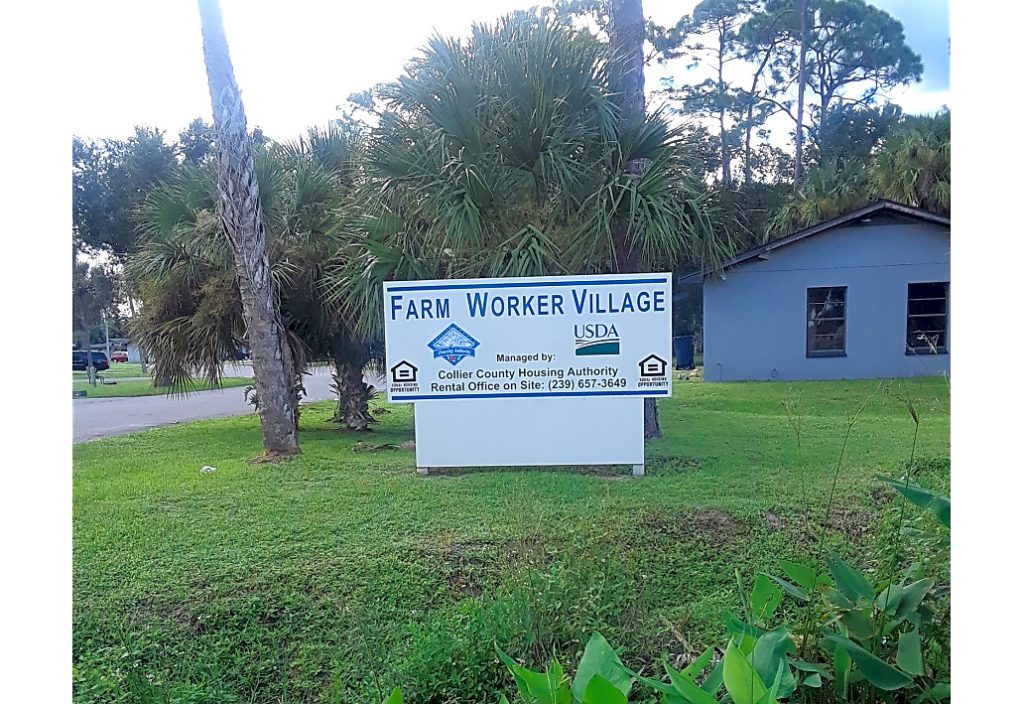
(597, 420)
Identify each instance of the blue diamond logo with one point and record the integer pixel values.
(453, 344)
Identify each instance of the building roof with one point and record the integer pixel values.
(860, 215)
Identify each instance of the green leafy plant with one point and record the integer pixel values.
(600, 678)
(869, 634)
(931, 501)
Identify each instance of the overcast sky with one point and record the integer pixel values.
(141, 62)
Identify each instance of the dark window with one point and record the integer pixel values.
(826, 321)
(928, 318)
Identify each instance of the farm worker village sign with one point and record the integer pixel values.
(534, 337)
(471, 352)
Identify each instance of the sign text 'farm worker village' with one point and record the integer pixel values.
(605, 335)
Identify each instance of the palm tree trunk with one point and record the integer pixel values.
(353, 396)
(802, 84)
(626, 32)
(239, 206)
(726, 156)
(295, 367)
(747, 172)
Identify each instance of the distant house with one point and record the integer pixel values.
(859, 296)
(133, 353)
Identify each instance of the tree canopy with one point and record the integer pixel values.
(503, 154)
(487, 162)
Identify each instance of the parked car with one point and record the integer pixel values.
(80, 362)
(119, 356)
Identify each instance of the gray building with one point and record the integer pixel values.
(860, 296)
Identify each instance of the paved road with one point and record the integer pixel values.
(105, 417)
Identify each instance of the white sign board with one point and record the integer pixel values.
(542, 337)
(529, 371)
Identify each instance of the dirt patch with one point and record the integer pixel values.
(854, 524)
(270, 457)
(773, 521)
(168, 506)
(674, 465)
(881, 495)
(189, 619)
(377, 446)
(470, 564)
(466, 565)
(715, 522)
(464, 584)
(700, 521)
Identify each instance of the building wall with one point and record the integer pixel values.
(755, 319)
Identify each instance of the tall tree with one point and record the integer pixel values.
(710, 37)
(844, 52)
(857, 51)
(837, 52)
(762, 38)
(195, 142)
(852, 132)
(92, 297)
(801, 83)
(626, 32)
(242, 222)
(110, 180)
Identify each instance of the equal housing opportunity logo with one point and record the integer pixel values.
(653, 373)
(453, 344)
(593, 339)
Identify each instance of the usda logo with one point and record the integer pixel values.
(595, 339)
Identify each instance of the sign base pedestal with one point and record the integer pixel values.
(520, 432)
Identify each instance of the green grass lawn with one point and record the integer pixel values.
(138, 387)
(118, 370)
(340, 574)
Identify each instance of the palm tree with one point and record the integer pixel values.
(913, 165)
(193, 315)
(829, 189)
(626, 31)
(191, 319)
(242, 222)
(486, 161)
(323, 165)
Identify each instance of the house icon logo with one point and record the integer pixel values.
(652, 366)
(404, 372)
